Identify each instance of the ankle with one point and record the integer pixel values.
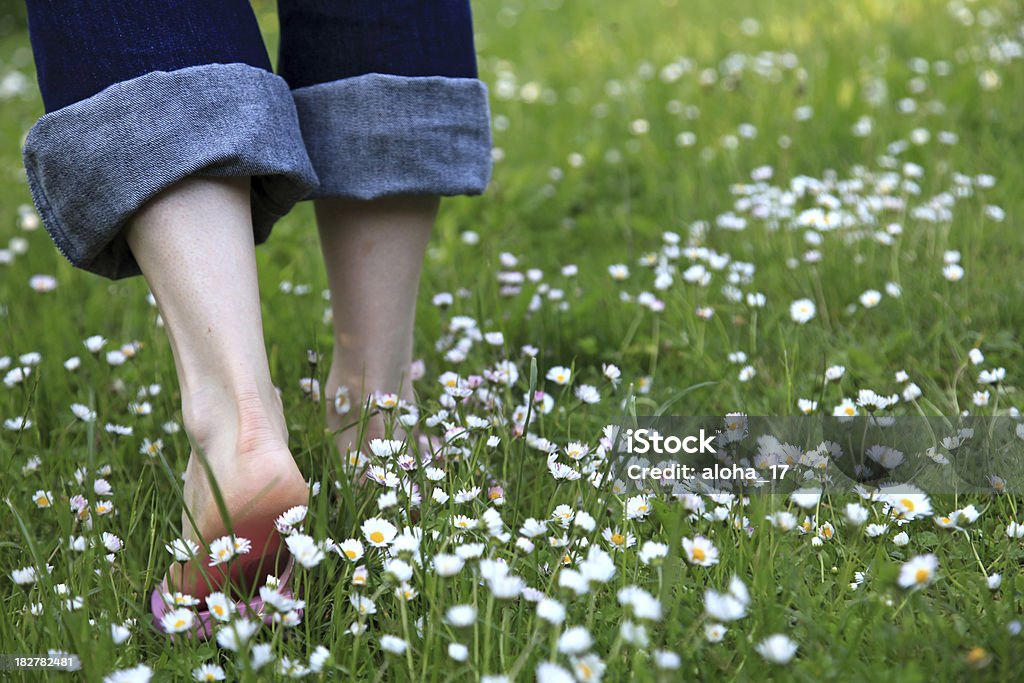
(239, 420)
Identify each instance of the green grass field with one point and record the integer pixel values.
(736, 158)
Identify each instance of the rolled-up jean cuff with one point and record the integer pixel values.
(94, 163)
(378, 135)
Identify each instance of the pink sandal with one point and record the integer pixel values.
(202, 627)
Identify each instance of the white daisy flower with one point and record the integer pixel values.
(918, 571)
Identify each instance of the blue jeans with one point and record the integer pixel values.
(373, 98)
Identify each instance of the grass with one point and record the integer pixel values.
(588, 111)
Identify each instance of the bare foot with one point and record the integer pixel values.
(258, 480)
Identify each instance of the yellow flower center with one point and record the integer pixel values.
(618, 539)
(907, 503)
(922, 575)
(351, 554)
(849, 410)
(698, 555)
(180, 623)
(377, 537)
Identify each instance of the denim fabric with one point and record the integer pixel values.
(143, 93)
(92, 164)
(327, 40)
(378, 135)
(83, 46)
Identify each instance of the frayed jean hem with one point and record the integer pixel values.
(94, 163)
(379, 135)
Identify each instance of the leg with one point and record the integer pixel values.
(393, 117)
(373, 251)
(195, 247)
(169, 148)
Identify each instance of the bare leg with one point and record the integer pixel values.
(194, 244)
(373, 251)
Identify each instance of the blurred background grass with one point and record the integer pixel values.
(572, 78)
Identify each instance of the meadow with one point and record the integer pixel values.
(697, 208)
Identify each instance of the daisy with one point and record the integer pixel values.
(261, 655)
(870, 298)
(617, 539)
(549, 672)
(806, 406)
(652, 552)
(42, 499)
(918, 571)
(363, 604)
(802, 310)
(666, 660)
(447, 565)
(392, 644)
(575, 640)
(342, 403)
(777, 649)
(386, 401)
(728, 606)
(714, 632)
(700, 551)
(856, 514)
(378, 532)
(136, 674)
(177, 620)
(906, 502)
(464, 523)
(306, 551)
(208, 672)
(219, 606)
(182, 549)
(221, 550)
(151, 449)
(236, 634)
(953, 272)
(846, 409)
(83, 412)
(559, 375)
(351, 549)
(638, 507)
(588, 394)
(291, 518)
